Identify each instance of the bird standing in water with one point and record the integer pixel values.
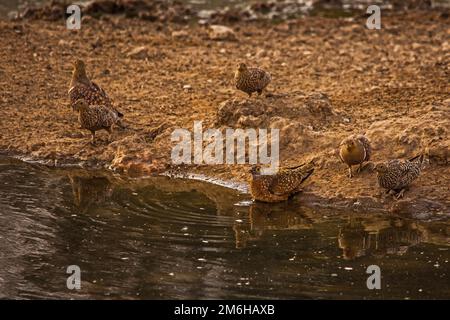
(396, 175)
(279, 186)
(251, 80)
(81, 87)
(95, 117)
(355, 150)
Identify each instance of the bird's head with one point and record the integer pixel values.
(79, 72)
(79, 65)
(255, 170)
(350, 144)
(79, 105)
(242, 67)
(380, 167)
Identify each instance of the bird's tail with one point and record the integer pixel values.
(119, 123)
(308, 173)
(419, 158)
(119, 114)
(309, 164)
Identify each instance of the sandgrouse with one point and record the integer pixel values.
(251, 80)
(95, 117)
(81, 87)
(279, 186)
(354, 150)
(396, 175)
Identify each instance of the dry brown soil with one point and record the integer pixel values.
(331, 78)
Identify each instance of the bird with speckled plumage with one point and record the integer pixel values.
(396, 175)
(251, 80)
(280, 186)
(354, 150)
(95, 117)
(81, 87)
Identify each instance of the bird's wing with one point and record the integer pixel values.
(366, 144)
(419, 158)
(105, 98)
(97, 88)
(288, 180)
(259, 74)
(280, 185)
(75, 93)
(295, 166)
(409, 172)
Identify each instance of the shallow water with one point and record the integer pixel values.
(172, 238)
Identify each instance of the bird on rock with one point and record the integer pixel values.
(95, 117)
(396, 175)
(280, 186)
(81, 87)
(355, 150)
(251, 80)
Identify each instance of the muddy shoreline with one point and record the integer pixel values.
(332, 77)
(420, 209)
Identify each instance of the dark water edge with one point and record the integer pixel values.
(161, 238)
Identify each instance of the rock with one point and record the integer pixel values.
(234, 112)
(250, 121)
(180, 34)
(319, 104)
(13, 15)
(221, 33)
(139, 53)
(438, 151)
(18, 29)
(447, 102)
(206, 14)
(63, 43)
(261, 53)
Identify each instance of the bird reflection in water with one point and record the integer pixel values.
(385, 236)
(90, 190)
(265, 216)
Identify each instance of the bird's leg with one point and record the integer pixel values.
(392, 193)
(109, 134)
(400, 194)
(350, 175)
(120, 124)
(93, 138)
(359, 168)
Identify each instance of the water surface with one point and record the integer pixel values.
(170, 238)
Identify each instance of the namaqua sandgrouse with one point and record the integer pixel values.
(95, 117)
(354, 150)
(396, 175)
(251, 80)
(280, 186)
(81, 87)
